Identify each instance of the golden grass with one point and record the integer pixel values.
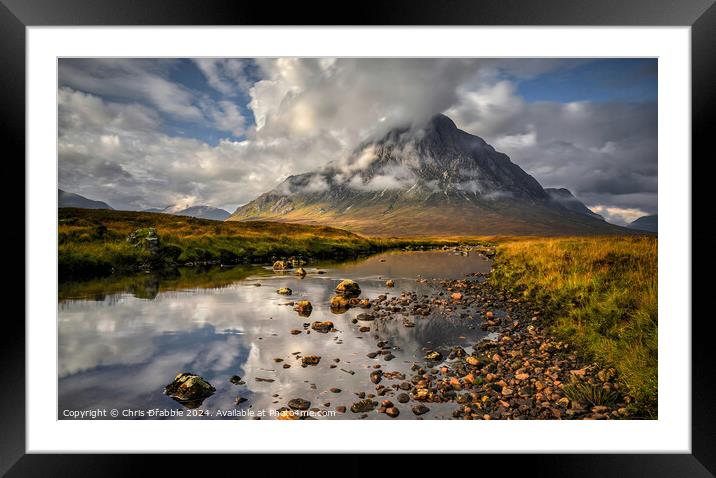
(600, 293)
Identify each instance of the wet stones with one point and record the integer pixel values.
(365, 317)
(299, 404)
(281, 265)
(284, 291)
(303, 307)
(339, 304)
(348, 288)
(403, 398)
(322, 327)
(362, 406)
(189, 387)
(310, 360)
(336, 390)
(235, 379)
(456, 296)
(392, 412)
(301, 272)
(433, 356)
(420, 409)
(376, 376)
(390, 283)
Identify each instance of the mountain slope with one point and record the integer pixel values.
(430, 180)
(204, 212)
(646, 223)
(200, 212)
(65, 199)
(565, 198)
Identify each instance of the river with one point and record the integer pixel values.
(122, 340)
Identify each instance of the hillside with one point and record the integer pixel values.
(93, 242)
(65, 199)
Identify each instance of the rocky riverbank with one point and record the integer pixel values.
(519, 372)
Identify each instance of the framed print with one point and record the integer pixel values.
(435, 235)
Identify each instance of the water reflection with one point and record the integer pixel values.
(122, 342)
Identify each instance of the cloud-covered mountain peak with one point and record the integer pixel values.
(432, 169)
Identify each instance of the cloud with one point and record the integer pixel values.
(148, 82)
(229, 76)
(603, 151)
(618, 215)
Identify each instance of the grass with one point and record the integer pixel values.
(599, 293)
(94, 242)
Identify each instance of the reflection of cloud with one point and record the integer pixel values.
(122, 352)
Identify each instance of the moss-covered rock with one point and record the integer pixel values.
(189, 389)
(348, 288)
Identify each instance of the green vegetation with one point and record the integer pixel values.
(96, 242)
(599, 293)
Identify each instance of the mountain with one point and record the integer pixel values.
(65, 199)
(433, 179)
(646, 223)
(201, 212)
(204, 212)
(565, 198)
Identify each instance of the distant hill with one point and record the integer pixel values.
(646, 223)
(65, 199)
(565, 198)
(205, 212)
(201, 212)
(432, 179)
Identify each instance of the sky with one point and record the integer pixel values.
(141, 133)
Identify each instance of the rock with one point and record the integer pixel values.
(420, 409)
(376, 376)
(474, 361)
(365, 317)
(456, 296)
(287, 414)
(403, 398)
(301, 272)
(239, 400)
(299, 404)
(281, 265)
(364, 329)
(489, 314)
(348, 288)
(310, 360)
(392, 412)
(322, 327)
(296, 331)
(386, 404)
(341, 409)
(189, 387)
(390, 283)
(336, 390)
(235, 379)
(339, 304)
(362, 406)
(284, 291)
(303, 307)
(145, 238)
(433, 356)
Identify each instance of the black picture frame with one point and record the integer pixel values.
(700, 15)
